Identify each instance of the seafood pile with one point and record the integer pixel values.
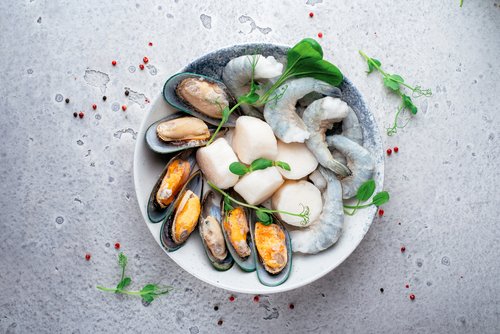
(199, 190)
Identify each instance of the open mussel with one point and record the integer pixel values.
(273, 251)
(169, 184)
(182, 220)
(177, 132)
(211, 234)
(200, 96)
(236, 227)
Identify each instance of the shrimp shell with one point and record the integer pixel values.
(325, 231)
(281, 115)
(318, 117)
(359, 161)
(350, 129)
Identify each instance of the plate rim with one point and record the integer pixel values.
(264, 289)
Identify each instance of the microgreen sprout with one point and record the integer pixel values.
(241, 169)
(396, 83)
(264, 214)
(148, 293)
(365, 191)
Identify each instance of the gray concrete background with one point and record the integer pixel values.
(67, 185)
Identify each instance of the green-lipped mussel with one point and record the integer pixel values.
(236, 227)
(200, 96)
(211, 234)
(272, 252)
(181, 221)
(169, 184)
(177, 132)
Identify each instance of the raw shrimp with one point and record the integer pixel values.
(324, 232)
(319, 117)
(237, 75)
(281, 114)
(350, 129)
(359, 161)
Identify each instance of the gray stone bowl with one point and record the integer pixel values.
(306, 268)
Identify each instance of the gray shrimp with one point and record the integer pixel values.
(359, 161)
(318, 117)
(281, 114)
(350, 129)
(325, 231)
(237, 75)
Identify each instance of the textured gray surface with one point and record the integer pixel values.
(442, 181)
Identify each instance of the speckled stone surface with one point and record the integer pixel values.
(67, 185)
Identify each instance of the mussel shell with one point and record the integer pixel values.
(155, 213)
(175, 101)
(248, 263)
(211, 207)
(264, 276)
(195, 184)
(159, 146)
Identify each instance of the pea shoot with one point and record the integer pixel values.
(396, 83)
(264, 214)
(241, 169)
(365, 191)
(148, 293)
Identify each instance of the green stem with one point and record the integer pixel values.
(461, 3)
(358, 206)
(373, 63)
(301, 215)
(222, 122)
(126, 292)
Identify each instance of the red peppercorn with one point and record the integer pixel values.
(113, 63)
(380, 212)
(396, 149)
(94, 106)
(87, 256)
(389, 151)
(150, 43)
(141, 67)
(81, 114)
(117, 245)
(256, 299)
(403, 249)
(407, 286)
(75, 114)
(311, 14)
(145, 60)
(412, 296)
(291, 306)
(124, 107)
(231, 298)
(320, 35)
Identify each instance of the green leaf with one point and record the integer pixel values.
(397, 78)
(148, 288)
(306, 48)
(124, 283)
(282, 165)
(238, 168)
(380, 198)
(148, 298)
(408, 103)
(263, 217)
(318, 69)
(366, 190)
(227, 204)
(392, 84)
(122, 260)
(371, 66)
(261, 163)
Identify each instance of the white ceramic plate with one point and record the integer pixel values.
(191, 257)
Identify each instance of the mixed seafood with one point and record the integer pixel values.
(198, 189)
